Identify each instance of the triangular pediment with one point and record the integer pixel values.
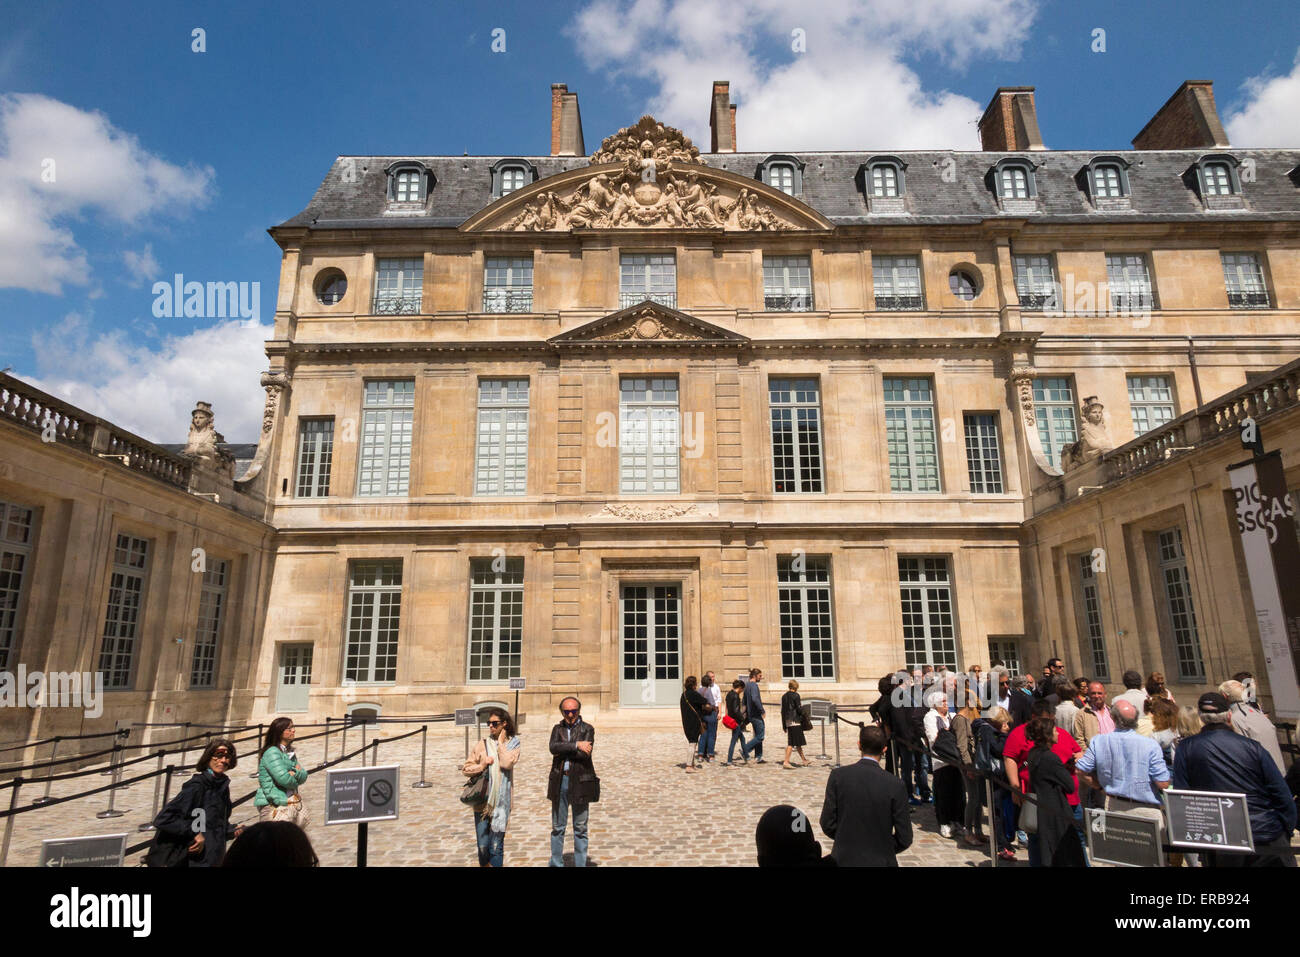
(648, 323)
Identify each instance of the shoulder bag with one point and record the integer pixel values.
(475, 790)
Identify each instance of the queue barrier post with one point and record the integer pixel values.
(823, 756)
(9, 821)
(327, 739)
(157, 783)
(117, 729)
(424, 743)
(836, 718)
(374, 753)
(345, 735)
(112, 791)
(261, 737)
(49, 778)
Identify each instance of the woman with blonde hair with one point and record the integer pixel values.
(963, 727)
(792, 718)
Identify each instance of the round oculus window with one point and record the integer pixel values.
(963, 285)
(331, 285)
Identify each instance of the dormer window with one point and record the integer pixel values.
(1218, 181)
(1013, 182)
(408, 183)
(884, 181)
(509, 175)
(782, 172)
(1106, 180)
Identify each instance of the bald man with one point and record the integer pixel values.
(1129, 767)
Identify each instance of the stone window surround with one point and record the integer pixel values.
(1076, 553)
(27, 549)
(1150, 605)
(497, 588)
(1024, 163)
(900, 171)
(139, 646)
(427, 182)
(763, 172)
(223, 616)
(1227, 159)
(511, 162)
(1106, 160)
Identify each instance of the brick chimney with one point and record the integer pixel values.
(566, 122)
(722, 119)
(1010, 123)
(1189, 120)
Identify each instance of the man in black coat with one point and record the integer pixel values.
(573, 781)
(907, 728)
(865, 811)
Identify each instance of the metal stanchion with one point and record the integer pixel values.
(157, 783)
(49, 778)
(327, 739)
(112, 791)
(993, 825)
(260, 738)
(424, 741)
(167, 783)
(837, 741)
(345, 736)
(466, 742)
(117, 727)
(9, 822)
(824, 756)
(374, 753)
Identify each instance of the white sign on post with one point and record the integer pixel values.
(357, 795)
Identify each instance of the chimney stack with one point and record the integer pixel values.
(722, 119)
(1010, 123)
(566, 122)
(1189, 120)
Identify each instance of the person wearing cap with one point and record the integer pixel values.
(1130, 768)
(1217, 759)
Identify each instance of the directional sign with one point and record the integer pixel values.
(1208, 819)
(1124, 839)
(819, 710)
(354, 795)
(517, 684)
(101, 850)
(466, 718)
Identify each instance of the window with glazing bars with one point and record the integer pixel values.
(508, 284)
(1244, 278)
(125, 606)
(1090, 618)
(1106, 182)
(386, 421)
(409, 187)
(16, 524)
(496, 618)
(1129, 280)
(897, 282)
(1179, 605)
(1054, 410)
(983, 456)
(807, 636)
(909, 428)
(212, 606)
(796, 435)
(1218, 179)
(1151, 399)
(1007, 652)
(1035, 282)
(374, 617)
(650, 276)
(929, 629)
(502, 458)
(649, 436)
(512, 178)
(884, 180)
(315, 457)
(787, 283)
(1014, 183)
(781, 176)
(399, 286)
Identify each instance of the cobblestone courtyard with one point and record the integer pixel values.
(651, 811)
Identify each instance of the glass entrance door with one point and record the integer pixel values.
(650, 623)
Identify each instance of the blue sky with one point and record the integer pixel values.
(172, 161)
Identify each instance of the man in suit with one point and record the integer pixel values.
(865, 811)
(573, 781)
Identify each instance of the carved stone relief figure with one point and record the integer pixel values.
(1094, 436)
(204, 441)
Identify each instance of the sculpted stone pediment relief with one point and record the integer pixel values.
(646, 176)
(648, 322)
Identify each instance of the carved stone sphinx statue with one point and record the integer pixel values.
(205, 442)
(1094, 436)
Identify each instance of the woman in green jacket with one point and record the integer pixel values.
(279, 776)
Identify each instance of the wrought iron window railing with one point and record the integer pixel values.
(783, 302)
(899, 303)
(1248, 300)
(507, 300)
(397, 306)
(1037, 301)
(668, 299)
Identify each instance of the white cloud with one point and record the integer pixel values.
(850, 89)
(1270, 117)
(141, 266)
(150, 389)
(58, 163)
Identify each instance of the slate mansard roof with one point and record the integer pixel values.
(942, 187)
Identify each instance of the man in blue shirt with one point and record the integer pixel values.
(1129, 767)
(754, 712)
(1218, 759)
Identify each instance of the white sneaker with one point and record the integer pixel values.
(946, 830)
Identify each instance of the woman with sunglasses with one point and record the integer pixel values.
(497, 754)
(279, 776)
(194, 827)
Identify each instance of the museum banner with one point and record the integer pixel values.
(1266, 524)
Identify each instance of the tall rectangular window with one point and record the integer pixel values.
(787, 283)
(508, 284)
(1089, 614)
(1129, 280)
(649, 436)
(1006, 651)
(496, 618)
(796, 435)
(386, 422)
(399, 287)
(1035, 282)
(929, 630)
(374, 617)
(1179, 605)
(502, 458)
(909, 426)
(16, 524)
(1244, 278)
(315, 456)
(983, 457)
(804, 596)
(125, 605)
(650, 276)
(1054, 409)
(896, 281)
(212, 606)
(1151, 400)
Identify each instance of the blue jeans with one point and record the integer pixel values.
(756, 742)
(737, 736)
(1083, 837)
(709, 737)
(559, 820)
(491, 847)
(913, 768)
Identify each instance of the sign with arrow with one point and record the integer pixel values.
(1209, 820)
(101, 850)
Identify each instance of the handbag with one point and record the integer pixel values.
(729, 722)
(166, 850)
(476, 789)
(1029, 816)
(805, 718)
